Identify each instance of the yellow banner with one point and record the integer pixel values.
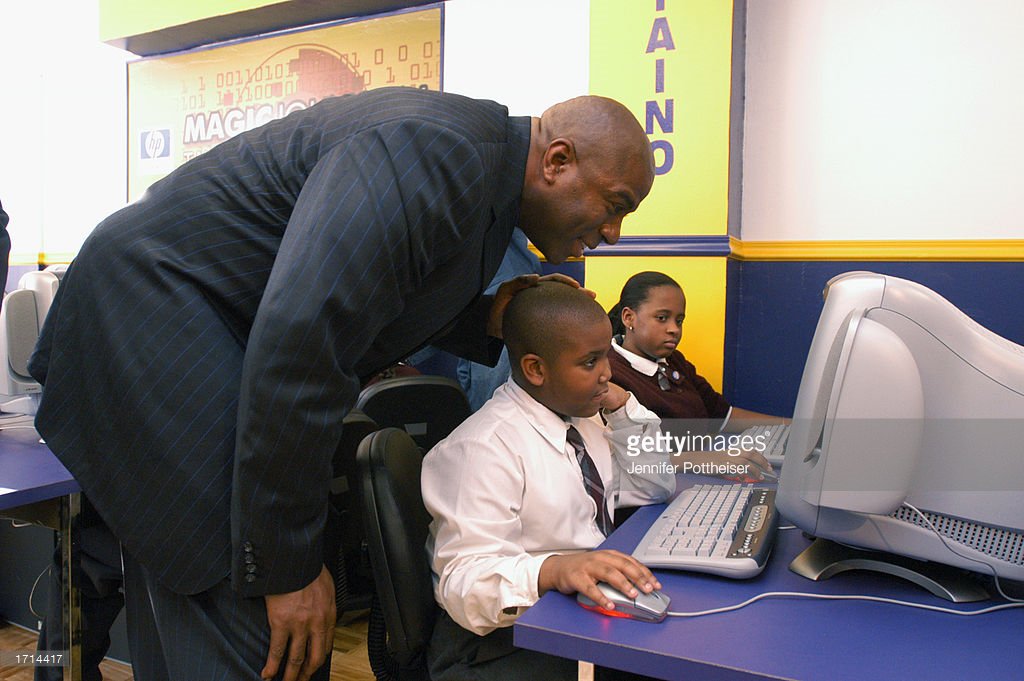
(670, 62)
(183, 105)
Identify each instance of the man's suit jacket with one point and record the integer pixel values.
(5, 249)
(208, 340)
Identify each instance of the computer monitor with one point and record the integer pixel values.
(58, 269)
(906, 403)
(21, 317)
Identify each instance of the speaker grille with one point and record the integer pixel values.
(1001, 544)
(22, 330)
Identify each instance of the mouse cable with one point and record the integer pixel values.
(938, 534)
(32, 593)
(844, 597)
(1013, 602)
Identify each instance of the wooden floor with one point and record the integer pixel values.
(348, 663)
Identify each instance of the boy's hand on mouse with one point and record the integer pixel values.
(580, 572)
(508, 289)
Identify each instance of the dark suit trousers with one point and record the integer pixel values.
(212, 635)
(97, 575)
(457, 654)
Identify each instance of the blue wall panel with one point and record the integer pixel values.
(772, 309)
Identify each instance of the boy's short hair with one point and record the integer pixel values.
(540, 319)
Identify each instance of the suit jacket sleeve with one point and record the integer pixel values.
(467, 336)
(374, 217)
(5, 248)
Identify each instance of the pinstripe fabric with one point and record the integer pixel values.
(212, 637)
(208, 339)
(5, 248)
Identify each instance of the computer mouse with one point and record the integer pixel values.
(650, 607)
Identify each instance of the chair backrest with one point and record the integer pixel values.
(348, 556)
(427, 407)
(396, 531)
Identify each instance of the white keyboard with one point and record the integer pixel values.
(775, 437)
(8, 420)
(726, 530)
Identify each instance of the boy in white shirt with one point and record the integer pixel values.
(513, 515)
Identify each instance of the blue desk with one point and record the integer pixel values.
(780, 638)
(35, 487)
(29, 472)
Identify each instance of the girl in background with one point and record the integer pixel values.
(647, 324)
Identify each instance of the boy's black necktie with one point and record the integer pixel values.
(591, 480)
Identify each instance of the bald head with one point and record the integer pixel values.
(601, 128)
(589, 165)
(542, 320)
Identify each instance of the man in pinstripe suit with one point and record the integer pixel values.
(5, 248)
(208, 339)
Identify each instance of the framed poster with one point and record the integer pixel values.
(183, 104)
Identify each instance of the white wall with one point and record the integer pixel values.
(883, 119)
(62, 123)
(527, 55)
(874, 119)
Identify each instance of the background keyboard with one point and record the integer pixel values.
(775, 437)
(726, 530)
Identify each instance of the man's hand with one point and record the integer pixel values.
(301, 629)
(510, 288)
(580, 572)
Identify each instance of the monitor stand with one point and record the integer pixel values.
(824, 558)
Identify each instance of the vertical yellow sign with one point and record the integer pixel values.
(670, 62)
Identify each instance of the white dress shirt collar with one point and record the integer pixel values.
(547, 423)
(646, 366)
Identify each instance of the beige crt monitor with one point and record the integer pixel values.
(21, 318)
(906, 401)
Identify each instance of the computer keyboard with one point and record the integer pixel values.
(22, 421)
(775, 437)
(726, 530)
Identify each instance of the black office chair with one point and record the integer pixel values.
(348, 557)
(403, 612)
(426, 407)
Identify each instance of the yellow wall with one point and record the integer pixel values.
(121, 18)
(703, 281)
